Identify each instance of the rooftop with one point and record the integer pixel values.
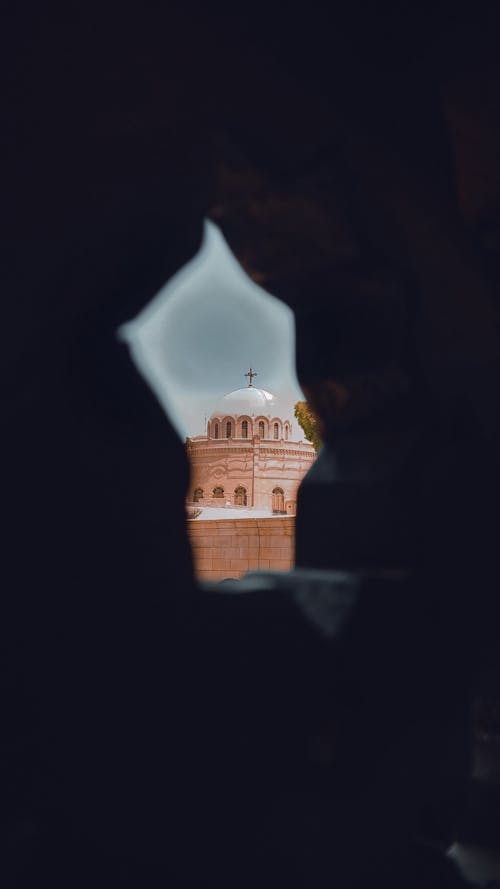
(229, 512)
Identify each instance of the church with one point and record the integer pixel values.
(250, 455)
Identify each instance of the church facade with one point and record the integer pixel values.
(249, 456)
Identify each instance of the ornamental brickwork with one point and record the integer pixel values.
(251, 473)
(248, 457)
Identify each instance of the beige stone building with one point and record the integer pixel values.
(228, 548)
(250, 457)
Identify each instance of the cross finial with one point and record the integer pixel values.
(251, 374)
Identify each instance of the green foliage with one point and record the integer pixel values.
(307, 421)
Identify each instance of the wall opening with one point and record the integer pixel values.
(219, 352)
(240, 496)
(278, 501)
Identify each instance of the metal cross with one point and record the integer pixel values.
(251, 373)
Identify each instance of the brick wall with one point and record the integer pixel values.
(230, 547)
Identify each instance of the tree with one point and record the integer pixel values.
(307, 421)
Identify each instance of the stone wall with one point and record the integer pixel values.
(229, 547)
(255, 465)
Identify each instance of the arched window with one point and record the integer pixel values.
(278, 500)
(276, 431)
(198, 495)
(228, 429)
(287, 429)
(218, 492)
(216, 430)
(244, 429)
(261, 428)
(240, 496)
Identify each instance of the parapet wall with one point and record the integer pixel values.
(225, 548)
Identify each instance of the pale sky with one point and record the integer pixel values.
(198, 337)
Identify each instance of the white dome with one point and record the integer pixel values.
(250, 401)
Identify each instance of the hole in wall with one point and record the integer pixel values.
(219, 352)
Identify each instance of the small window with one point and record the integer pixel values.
(198, 495)
(218, 492)
(278, 500)
(240, 496)
(276, 431)
(216, 430)
(261, 429)
(244, 429)
(286, 432)
(228, 429)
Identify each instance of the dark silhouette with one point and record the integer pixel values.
(157, 734)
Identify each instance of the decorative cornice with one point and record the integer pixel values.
(222, 454)
(225, 444)
(287, 451)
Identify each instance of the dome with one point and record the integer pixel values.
(250, 400)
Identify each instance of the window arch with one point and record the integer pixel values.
(287, 430)
(244, 429)
(216, 430)
(276, 431)
(228, 429)
(198, 495)
(262, 429)
(240, 496)
(278, 500)
(218, 492)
